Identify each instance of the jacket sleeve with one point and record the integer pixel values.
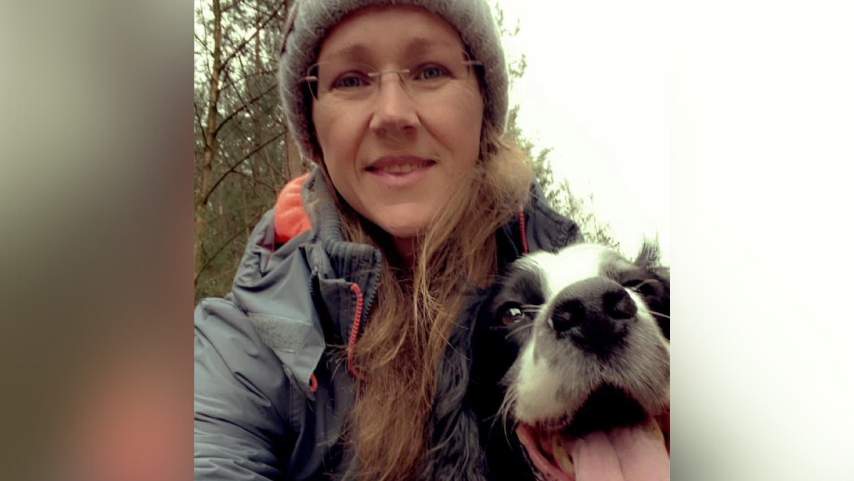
(242, 403)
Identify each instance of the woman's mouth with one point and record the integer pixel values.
(400, 168)
(399, 171)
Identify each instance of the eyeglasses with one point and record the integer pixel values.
(346, 81)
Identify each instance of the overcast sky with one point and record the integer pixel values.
(597, 91)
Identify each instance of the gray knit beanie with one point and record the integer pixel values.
(310, 20)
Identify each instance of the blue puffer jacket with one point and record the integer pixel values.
(269, 399)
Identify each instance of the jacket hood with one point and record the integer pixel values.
(290, 217)
(282, 286)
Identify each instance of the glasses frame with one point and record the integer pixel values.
(307, 79)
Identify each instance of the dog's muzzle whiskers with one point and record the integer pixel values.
(505, 411)
(518, 329)
(639, 285)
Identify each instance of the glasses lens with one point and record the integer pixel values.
(342, 80)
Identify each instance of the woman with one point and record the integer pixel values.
(327, 348)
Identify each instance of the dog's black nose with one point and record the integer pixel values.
(594, 314)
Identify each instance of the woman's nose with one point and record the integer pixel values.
(394, 109)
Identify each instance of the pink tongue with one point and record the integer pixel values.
(624, 454)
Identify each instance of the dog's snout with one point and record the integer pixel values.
(594, 314)
(618, 305)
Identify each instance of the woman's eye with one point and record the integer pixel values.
(350, 81)
(512, 315)
(432, 72)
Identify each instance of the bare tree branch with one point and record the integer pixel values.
(278, 174)
(245, 106)
(224, 245)
(255, 179)
(199, 121)
(231, 169)
(243, 44)
(203, 43)
(246, 78)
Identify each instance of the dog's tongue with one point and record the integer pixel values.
(624, 454)
(635, 453)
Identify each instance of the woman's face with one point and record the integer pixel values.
(398, 155)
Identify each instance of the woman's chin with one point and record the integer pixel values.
(405, 224)
(402, 232)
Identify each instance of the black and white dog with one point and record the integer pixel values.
(566, 344)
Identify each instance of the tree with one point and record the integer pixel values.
(243, 156)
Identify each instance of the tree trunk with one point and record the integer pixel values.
(210, 141)
(257, 82)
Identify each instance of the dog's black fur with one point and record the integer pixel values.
(472, 440)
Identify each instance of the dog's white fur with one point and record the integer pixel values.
(551, 379)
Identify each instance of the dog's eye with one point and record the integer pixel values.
(512, 315)
(645, 287)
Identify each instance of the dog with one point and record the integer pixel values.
(564, 345)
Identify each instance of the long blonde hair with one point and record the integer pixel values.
(417, 305)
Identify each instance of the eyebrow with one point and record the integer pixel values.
(421, 44)
(358, 50)
(362, 52)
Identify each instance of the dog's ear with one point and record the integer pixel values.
(649, 256)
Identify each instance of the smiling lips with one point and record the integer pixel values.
(400, 171)
(399, 165)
